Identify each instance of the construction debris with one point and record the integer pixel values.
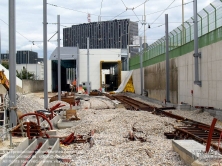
(72, 138)
(111, 125)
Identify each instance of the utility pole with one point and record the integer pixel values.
(141, 66)
(59, 61)
(183, 36)
(0, 47)
(167, 60)
(36, 69)
(27, 58)
(196, 53)
(12, 63)
(128, 56)
(88, 65)
(45, 53)
(77, 68)
(144, 25)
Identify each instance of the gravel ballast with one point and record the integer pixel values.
(111, 138)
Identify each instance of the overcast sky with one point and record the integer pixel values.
(29, 18)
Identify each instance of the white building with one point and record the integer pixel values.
(104, 67)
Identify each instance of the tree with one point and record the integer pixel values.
(23, 74)
(5, 64)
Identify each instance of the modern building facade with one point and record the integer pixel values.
(102, 35)
(5, 57)
(26, 57)
(23, 57)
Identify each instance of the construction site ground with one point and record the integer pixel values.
(112, 125)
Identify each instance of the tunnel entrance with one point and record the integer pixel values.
(110, 75)
(68, 74)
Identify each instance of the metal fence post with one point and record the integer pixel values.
(172, 45)
(190, 30)
(177, 38)
(184, 33)
(208, 20)
(201, 25)
(215, 12)
(180, 36)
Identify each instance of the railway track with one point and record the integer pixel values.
(191, 129)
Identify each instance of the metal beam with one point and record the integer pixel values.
(167, 60)
(141, 66)
(196, 54)
(88, 65)
(0, 47)
(59, 60)
(128, 56)
(183, 36)
(12, 63)
(45, 53)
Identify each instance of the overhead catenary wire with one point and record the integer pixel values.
(70, 9)
(124, 4)
(140, 4)
(136, 16)
(169, 8)
(151, 13)
(160, 15)
(132, 10)
(162, 12)
(118, 15)
(31, 41)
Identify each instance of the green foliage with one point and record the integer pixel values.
(5, 64)
(23, 74)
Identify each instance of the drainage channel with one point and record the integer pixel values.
(190, 130)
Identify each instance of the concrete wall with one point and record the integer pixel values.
(155, 81)
(4, 91)
(137, 81)
(210, 94)
(28, 87)
(33, 86)
(182, 78)
(96, 55)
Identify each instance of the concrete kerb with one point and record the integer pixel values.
(193, 153)
(217, 113)
(168, 104)
(8, 157)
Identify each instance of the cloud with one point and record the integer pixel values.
(29, 18)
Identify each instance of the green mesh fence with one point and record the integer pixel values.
(181, 38)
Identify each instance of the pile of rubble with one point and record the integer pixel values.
(120, 136)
